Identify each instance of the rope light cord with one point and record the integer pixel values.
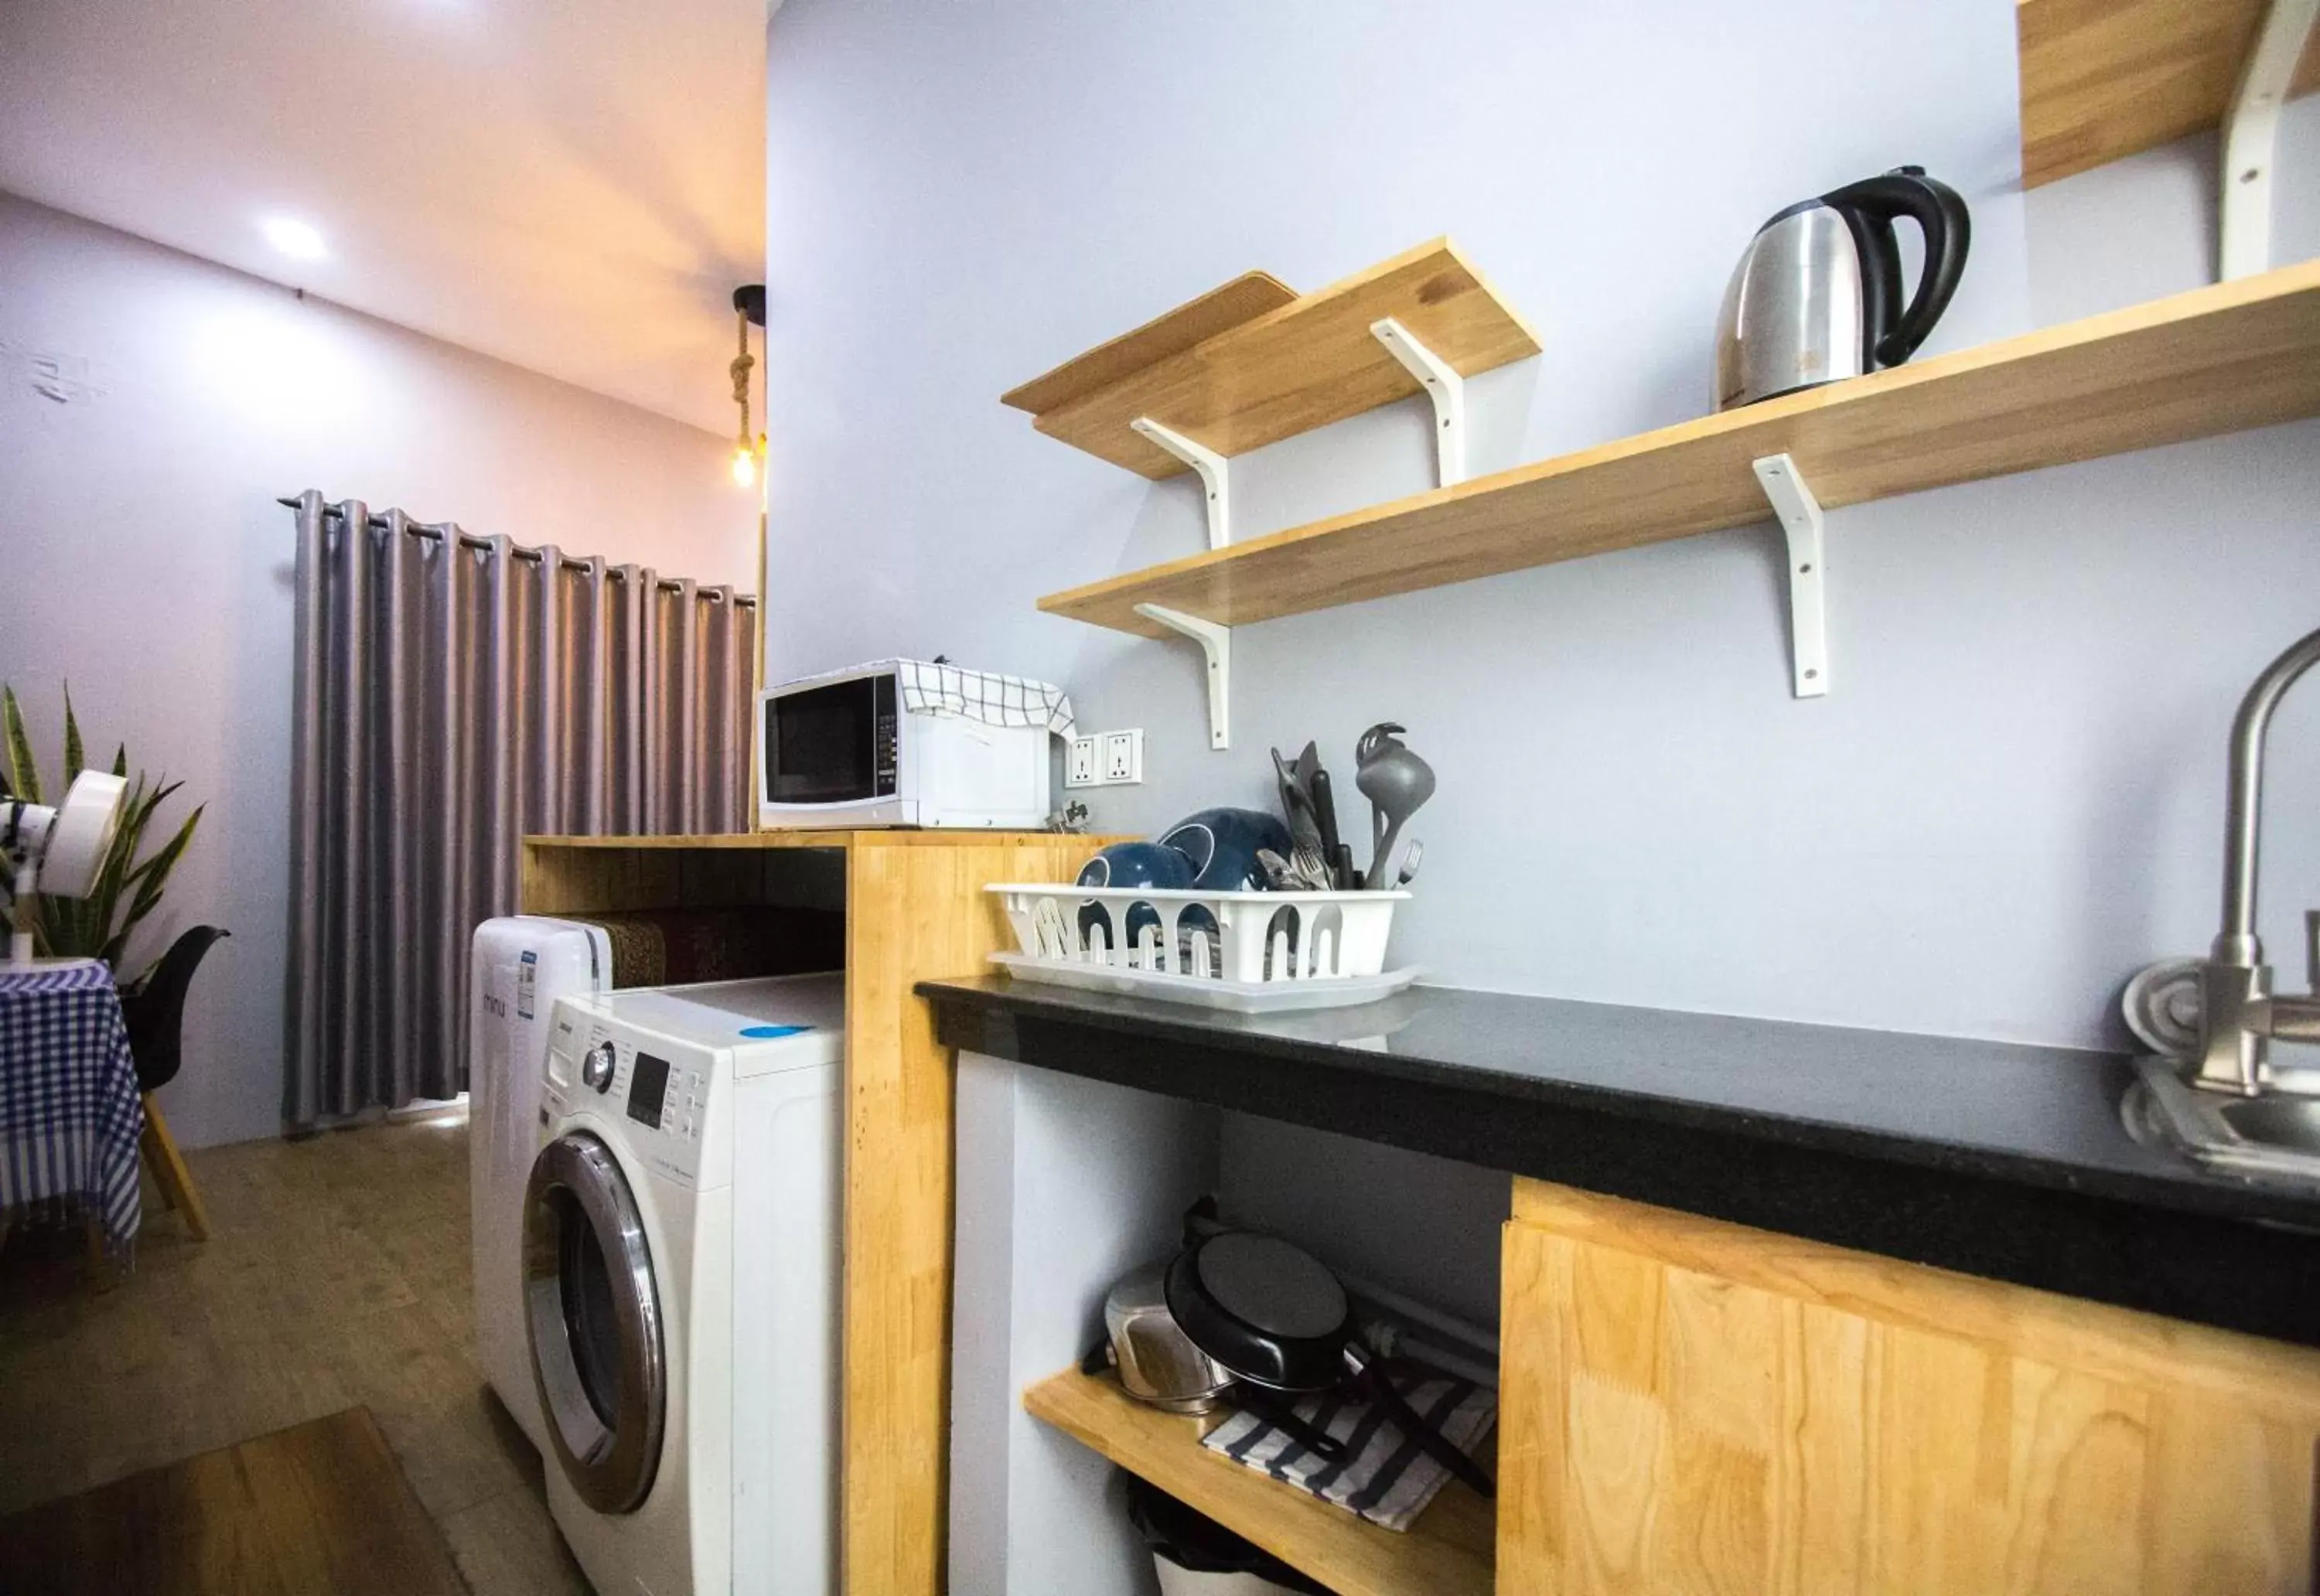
(743, 364)
(746, 448)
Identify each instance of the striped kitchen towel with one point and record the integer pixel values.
(1386, 1480)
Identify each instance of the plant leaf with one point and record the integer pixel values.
(127, 889)
(74, 761)
(144, 813)
(23, 775)
(154, 874)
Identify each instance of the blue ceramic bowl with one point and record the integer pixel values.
(1131, 864)
(1222, 845)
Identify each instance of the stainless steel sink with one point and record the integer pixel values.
(2274, 1136)
(2249, 1114)
(2277, 1122)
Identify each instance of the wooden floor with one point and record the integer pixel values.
(316, 1509)
(335, 1275)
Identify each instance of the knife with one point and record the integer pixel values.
(1325, 814)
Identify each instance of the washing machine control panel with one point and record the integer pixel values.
(658, 1088)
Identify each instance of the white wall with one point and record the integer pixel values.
(1065, 1185)
(2013, 797)
(2146, 226)
(151, 408)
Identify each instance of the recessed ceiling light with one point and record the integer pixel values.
(294, 238)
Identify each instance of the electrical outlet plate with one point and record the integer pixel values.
(1078, 764)
(1123, 758)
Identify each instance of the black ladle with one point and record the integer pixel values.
(1276, 1317)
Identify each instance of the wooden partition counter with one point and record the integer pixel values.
(2005, 1162)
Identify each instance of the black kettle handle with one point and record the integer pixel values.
(1941, 215)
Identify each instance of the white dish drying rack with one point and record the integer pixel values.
(1252, 951)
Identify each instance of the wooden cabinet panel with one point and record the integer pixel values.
(915, 911)
(1696, 1407)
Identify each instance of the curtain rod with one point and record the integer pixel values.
(530, 556)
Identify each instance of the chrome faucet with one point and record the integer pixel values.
(2239, 1014)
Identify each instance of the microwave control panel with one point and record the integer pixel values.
(884, 730)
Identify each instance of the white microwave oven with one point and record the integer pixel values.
(846, 750)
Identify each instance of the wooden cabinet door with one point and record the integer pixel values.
(1691, 1406)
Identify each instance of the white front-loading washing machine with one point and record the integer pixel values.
(680, 1273)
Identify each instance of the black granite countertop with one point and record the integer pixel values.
(1998, 1159)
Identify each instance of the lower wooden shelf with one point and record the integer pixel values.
(1447, 1552)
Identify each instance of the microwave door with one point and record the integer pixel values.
(831, 744)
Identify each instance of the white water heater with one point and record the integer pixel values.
(520, 965)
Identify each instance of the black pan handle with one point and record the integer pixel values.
(1905, 192)
(1430, 1440)
(1282, 1417)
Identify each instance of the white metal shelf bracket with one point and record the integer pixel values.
(1215, 647)
(1203, 459)
(1801, 520)
(1443, 385)
(2251, 137)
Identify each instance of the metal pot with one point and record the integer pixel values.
(1156, 1361)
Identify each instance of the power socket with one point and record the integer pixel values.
(1123, 758)
(1106, 759)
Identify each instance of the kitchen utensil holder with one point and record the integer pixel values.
(1225, 949)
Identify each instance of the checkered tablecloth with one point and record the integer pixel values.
(983, 695)
(69, 1114)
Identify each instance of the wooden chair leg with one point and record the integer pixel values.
(149, 1158)
(169, 1170)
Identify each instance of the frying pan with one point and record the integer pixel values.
(1274, 1316)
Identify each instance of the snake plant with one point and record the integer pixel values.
(128, 888)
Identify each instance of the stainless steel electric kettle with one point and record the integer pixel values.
(1818, 295)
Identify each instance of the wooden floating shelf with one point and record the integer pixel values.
(2106, 78)
(1447, 1552)
(2218, 359)
(1244, 299)
(1295, 367)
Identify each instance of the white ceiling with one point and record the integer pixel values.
(574, 186)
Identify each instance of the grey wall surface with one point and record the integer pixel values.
(2011, 799)
(152, 407)
(2146, 226)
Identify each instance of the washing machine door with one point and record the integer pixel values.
(592, 1314)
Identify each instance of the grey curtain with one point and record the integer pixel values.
(452, 694)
